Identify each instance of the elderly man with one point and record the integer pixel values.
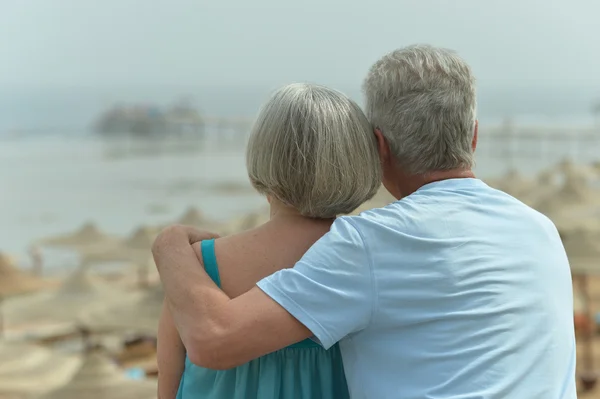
(456, 290)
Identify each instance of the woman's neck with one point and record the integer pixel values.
(279, 210)
(282, 212)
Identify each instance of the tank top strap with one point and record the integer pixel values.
(210, 260)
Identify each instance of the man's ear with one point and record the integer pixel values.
(382, 146)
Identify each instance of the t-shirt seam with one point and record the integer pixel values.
(374, 298)
(323, 331)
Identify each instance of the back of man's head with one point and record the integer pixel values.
(423, 100)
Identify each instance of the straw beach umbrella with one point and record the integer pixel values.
(100, 378)
(21, 364)
(13, 282)
(139, 313)
(570, 203)
(136, 249)
(141, 239)
(513, 183)
(245, 222)
(87, 235)
(4, 395)
(192, 217)
(595, 167)
(567, 167)
(583, 249)
(543, 185)
(63, 304)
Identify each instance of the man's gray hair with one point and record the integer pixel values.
(313, 148)
(423, 100)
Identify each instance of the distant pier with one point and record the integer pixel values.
(504, 141)
(514, 144)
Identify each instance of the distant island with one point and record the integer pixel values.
(151, 121)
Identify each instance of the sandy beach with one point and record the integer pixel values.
(92, 227)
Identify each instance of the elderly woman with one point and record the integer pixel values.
(313, 154)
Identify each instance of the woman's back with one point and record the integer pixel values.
(235, 263)
(313, 154)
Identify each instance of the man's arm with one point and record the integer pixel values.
(329, 293)
(214, 328)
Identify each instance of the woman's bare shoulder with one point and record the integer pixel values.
(245, 246)
(247, 257)
(242, 260)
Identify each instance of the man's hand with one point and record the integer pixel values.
(176, 233)
(176, 239)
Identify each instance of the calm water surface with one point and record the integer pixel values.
(53, 184)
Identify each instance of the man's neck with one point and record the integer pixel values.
(408, 184)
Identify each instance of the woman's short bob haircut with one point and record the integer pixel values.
(313, 149)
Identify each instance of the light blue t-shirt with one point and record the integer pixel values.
(456, 291)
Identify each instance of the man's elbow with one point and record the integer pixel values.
(209, 359)
(215, 354)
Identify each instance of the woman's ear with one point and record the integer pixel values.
(475, 136)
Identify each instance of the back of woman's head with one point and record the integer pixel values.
(312, 148)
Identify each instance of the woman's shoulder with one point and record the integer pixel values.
(241, 260)
(239, 245)
(245, 258)
(224, 247)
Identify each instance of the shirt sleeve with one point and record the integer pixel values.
(330, 290)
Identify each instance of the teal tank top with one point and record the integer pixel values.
(301, 371)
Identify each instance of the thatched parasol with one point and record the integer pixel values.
(99, 378)
(15, 282)
(513, 183)
(583, 249)
(142, 273)
(136, 249)
(567, 167)
(141, 239)
(246, 222)
(574, 196)
(192, 217)
(22, 364)
(543, 186)
(64, 304)
(86, 235)
(579, 304)
(140, 313)
(4, 395)
(595, 168)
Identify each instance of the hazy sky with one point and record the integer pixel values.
(91, 43)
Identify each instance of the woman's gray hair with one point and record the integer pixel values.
(312, 148)
(422, 98)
